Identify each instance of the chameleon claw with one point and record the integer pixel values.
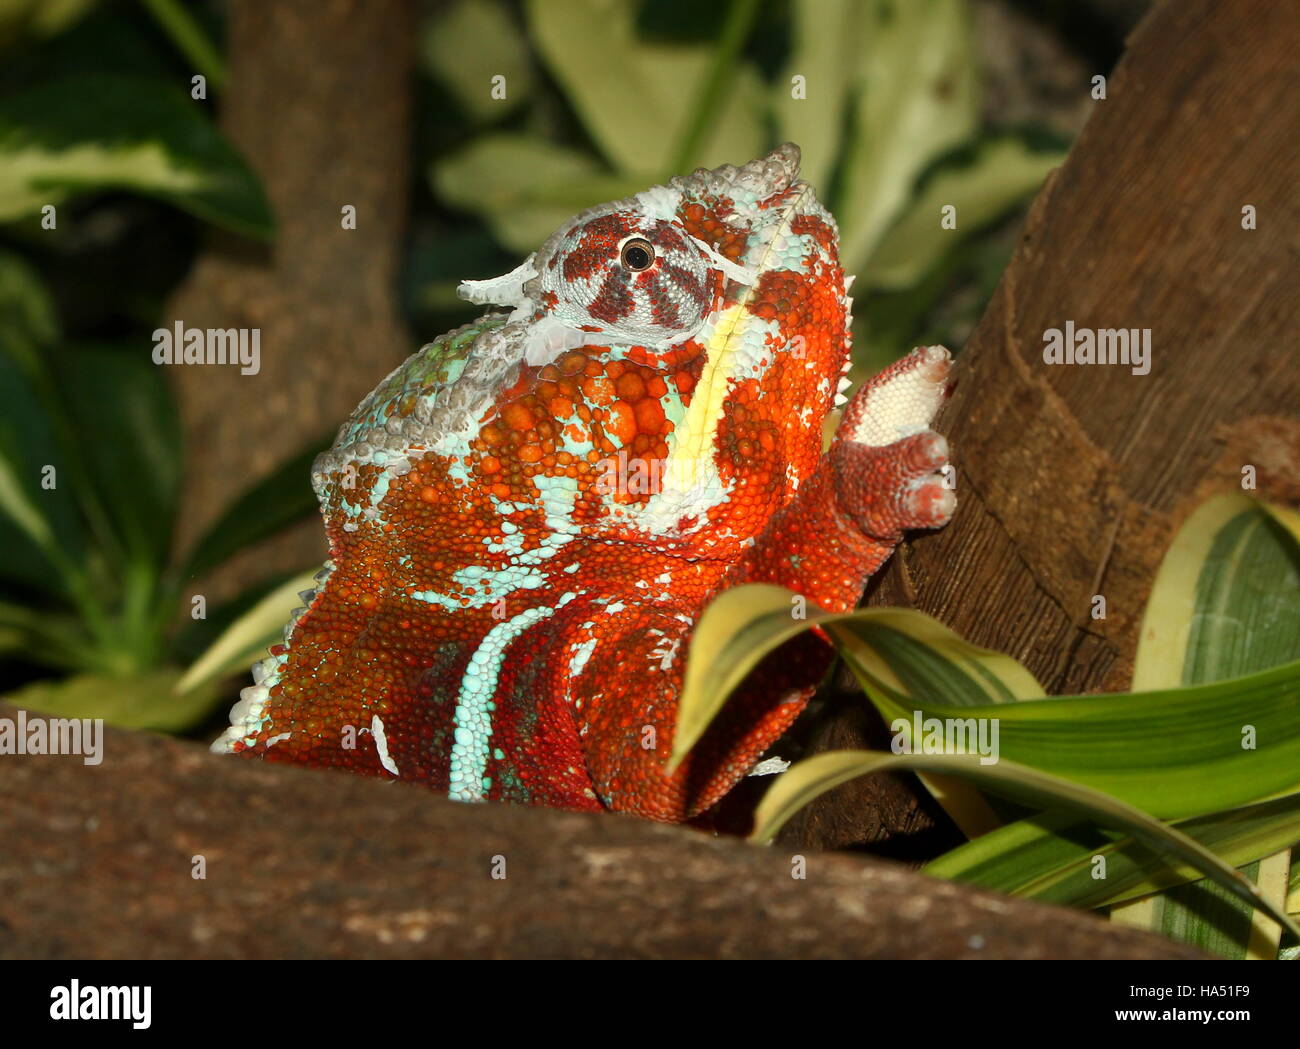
(887, 461)
(928, 503)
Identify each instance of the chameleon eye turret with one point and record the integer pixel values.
(630, 278)
(527, 518)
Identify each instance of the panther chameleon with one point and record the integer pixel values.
(527, 517)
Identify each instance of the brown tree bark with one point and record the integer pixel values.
(318, 100)
(1072, 480)
(302, 863)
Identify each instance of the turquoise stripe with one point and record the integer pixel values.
(472, 720)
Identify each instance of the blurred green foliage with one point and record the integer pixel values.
(883, 98)
(91, 472)
(90, 582)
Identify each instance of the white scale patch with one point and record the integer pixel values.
(472, 720)
(381, 745)
(903, 406)
(664, 654)
(581, 653)
(246, 719)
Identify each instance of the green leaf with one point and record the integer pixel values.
(468, 43)
(282, 497)
(134, 462)
(84, 134)
(41, 18)
(1192, 765)
(933, 661)
(246, 639)
(1173, 752)
(1226, 600)
(20, 508)
(41, 534)
(525, 187)
(982, 182)
(635, 98)
(144, 701)
(744, 623)
(28, 322)
(828, 38)
(803, 782)
(1054, 858)
(111, 38)
(1204, 914)
(1227, 556)
(739, 627)
(39, 636)
(189, 38)
(917, 99)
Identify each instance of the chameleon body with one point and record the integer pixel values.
(527, 517)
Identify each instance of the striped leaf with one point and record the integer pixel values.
(1175, 752)
(1225, 601)
(806, 780)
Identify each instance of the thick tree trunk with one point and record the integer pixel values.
(318, 100)
(1072, 480)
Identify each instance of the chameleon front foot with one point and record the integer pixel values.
(889, 465)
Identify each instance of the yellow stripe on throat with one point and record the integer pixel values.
(691, 459)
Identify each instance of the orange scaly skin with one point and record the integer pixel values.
(527, 518)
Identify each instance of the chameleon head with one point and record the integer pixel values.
(664, 365)
(649, 270)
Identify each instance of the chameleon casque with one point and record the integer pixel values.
(527, 517)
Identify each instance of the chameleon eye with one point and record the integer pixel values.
(638, 254)
(632, 279)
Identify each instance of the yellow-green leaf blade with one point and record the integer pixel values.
(1225, 600)
(803, 782)
(246, 639)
